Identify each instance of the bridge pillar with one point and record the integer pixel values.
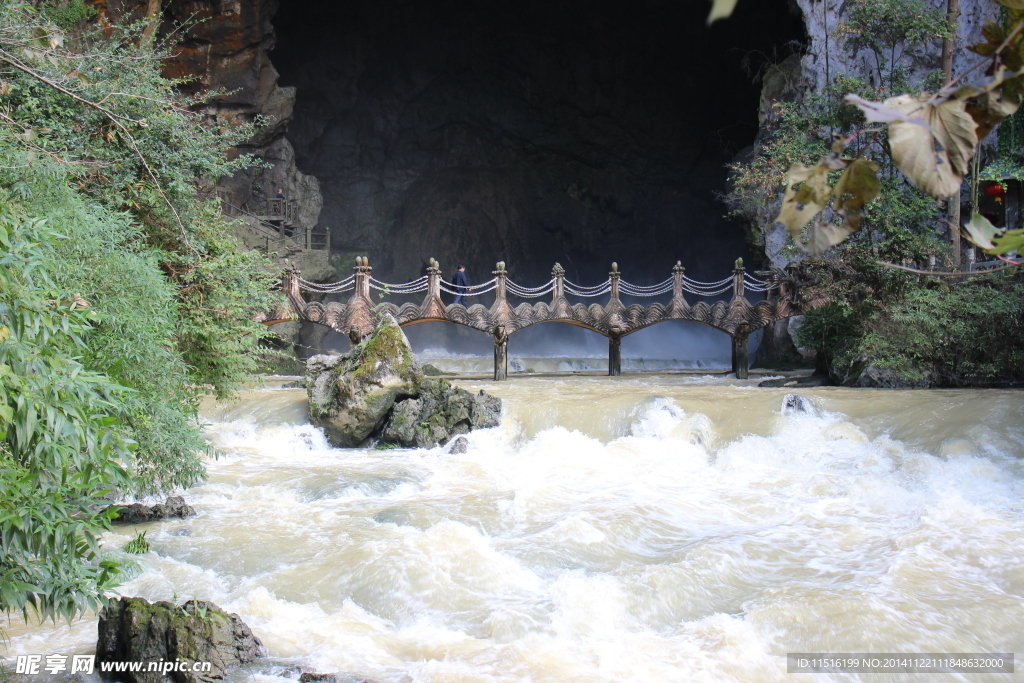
(614, 352)
(678, 273)
(737, 279)
(558, 273)
(500, 354)
(740, 355)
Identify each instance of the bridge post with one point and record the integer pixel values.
(558, 273)
(678, 272)
(362, 273)
(737, 279)
(740, 354)
(614, 276)
(500, 290)
(290, 287)
(614, 352)
(500, 354)
(433, 280)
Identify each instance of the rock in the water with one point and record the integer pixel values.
(135, 630)
(310, 677)
(137, 513)
(350, 395)
(434, 371)
(378, 390)
(461, 445)
(795, 404)
(439, 412)
(864, 372)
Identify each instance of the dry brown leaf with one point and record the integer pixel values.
(825, 235)
(935, 160)
(800, 206)
(721, 9)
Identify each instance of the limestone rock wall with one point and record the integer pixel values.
(226, 48)
(825, 56)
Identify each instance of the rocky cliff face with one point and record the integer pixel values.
(225, 47)
(825, 56)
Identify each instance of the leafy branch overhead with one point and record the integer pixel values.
(808, 194)
(932, 139)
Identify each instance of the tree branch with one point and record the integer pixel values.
(944, 273)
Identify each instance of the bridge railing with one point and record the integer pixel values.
(613, 319)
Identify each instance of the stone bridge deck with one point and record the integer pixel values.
(737, 317)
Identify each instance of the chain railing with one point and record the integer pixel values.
(740, 282)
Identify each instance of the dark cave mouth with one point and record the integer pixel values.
(531, 133)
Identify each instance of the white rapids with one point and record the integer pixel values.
(641, 528)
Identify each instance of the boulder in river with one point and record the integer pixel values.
(136, 513)
(135, 630)
(440, 411)
(377, 390)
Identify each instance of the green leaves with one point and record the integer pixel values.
(993, 240)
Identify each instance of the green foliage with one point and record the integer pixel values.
(67, 14)
(123, 297)
(894, 31)
(61, 445)
(902, 220)
(948, 334)
(138, 545)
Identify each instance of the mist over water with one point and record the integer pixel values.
(639, 528)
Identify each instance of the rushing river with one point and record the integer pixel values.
(672, 527)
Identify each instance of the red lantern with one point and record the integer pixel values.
(995, 191)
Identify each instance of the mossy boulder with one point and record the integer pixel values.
(378, 391)
(439, 412)
(351, 395)
(135, 630)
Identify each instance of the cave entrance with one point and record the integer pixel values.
(582, 132)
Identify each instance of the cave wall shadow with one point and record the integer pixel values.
(528, 131)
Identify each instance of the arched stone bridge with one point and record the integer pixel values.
(737, 317)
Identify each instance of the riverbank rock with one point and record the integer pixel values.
(377, 390)
(801, 382)
(135, 630)
(864, 372)
(137, 513)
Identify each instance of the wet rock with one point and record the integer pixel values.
(461, 445)
(439, 412)
(184, 531)
(865, 372)
(378, 391)
(137, 513)
(434, 371)
(135, 630)
(801, 382)
(350, 396)
(795, 404)
(310, 677)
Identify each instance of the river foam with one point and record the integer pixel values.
(628, 529)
